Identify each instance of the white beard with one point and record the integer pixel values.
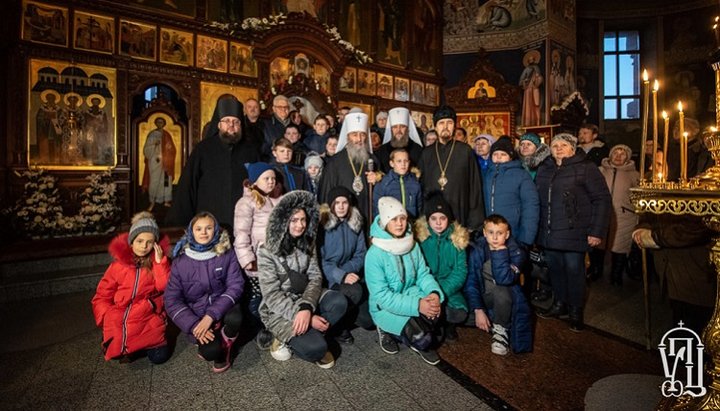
(358, 154)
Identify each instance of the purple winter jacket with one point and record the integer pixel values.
(199, 287)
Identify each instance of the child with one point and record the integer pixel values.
(128, 303)
(400, 184)
(316, 138)
(492, 289)
(295, 308)
(203, 295)
(330, 148)
(342, 252)
(299, 150)
(290, 177)
(405, 300)
(313, 168)
(251, 216)
(443, 242)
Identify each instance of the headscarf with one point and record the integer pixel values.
(188, 240)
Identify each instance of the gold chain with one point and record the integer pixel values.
(447, 161)
(353, 166)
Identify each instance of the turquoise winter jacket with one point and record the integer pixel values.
(396, 283)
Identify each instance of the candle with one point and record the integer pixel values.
(665, 145)
(717, 34)
(683, 158)
(656, 87)
(646, 87)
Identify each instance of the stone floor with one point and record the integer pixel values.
(50, 359)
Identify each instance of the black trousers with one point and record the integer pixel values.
(230, 323)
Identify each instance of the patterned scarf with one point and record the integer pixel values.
(188, 240)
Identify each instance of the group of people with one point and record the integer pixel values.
(409, 240)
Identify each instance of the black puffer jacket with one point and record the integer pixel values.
(574, 203)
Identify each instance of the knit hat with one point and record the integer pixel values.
(505, 145)
(143, 222)
(571, 139)
(341, 191)
(389, 208)
(531, 137)
(623, 147)
(255, 170)
(444, 112)
(313, 159)
(229, 107)
(487, 137)
(436, 203)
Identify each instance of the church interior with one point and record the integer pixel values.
(88, 82)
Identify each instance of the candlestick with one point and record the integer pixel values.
(656, 87)
(683, 158)
(665, 145)
(717, 33)
(646, 101)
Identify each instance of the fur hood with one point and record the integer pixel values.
(122, 252)
(460, 235)
(328, 220)
(532, 162)
(277, 240)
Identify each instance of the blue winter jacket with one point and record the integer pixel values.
(390, 186)
(342, 248)
(506, 275)
(510, 191)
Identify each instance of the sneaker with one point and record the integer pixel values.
(387, 342)
(500, 340)
(264, 339)
(345, 337)
(429, 356)
(280, 351)
(327, 361)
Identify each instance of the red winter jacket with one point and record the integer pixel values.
(128, 303)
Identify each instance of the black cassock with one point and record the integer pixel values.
(463, 191)
(339, 173)
(212, 180)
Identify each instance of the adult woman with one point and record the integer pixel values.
(574, 215)
(295, 308)
(620, 175)
(532, 151)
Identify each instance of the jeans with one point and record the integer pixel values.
(567, 276)
(312, 345)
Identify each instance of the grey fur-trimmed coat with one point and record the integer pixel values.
(280, 303)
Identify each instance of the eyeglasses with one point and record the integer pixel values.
(228, 122)
(282, 107)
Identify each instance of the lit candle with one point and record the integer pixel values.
(656, 87)
(646, 101)
(665, 145)
(683, 159)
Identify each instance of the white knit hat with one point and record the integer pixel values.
(389, 208)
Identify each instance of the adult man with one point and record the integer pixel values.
(274, 127)
(253, 125)
(399, 133)
(449, 166)
(350, 165)
(594, 148)
(212, 179)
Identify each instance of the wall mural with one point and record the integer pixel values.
(561, 80)
(531, 81)
(71, 112)
(469, 23)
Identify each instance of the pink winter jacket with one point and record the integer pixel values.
(249, 227)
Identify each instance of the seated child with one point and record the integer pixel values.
(342, 253)
(295, 307)
(203, 295)
(400, 184)
(128, 303)
(443, 242)
(405, 300)
(290, 177)
(494, 295)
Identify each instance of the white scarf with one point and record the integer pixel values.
(395, 246)
(200, 255)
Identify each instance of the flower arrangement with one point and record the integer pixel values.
(98, 205)
(38, 213)
(251, 23)
(361, 56)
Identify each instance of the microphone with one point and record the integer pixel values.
(371, 165)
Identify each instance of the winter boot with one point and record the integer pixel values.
(619, 260)
(558, 310)
(597, 265)
(576, 319)
(222, 365)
